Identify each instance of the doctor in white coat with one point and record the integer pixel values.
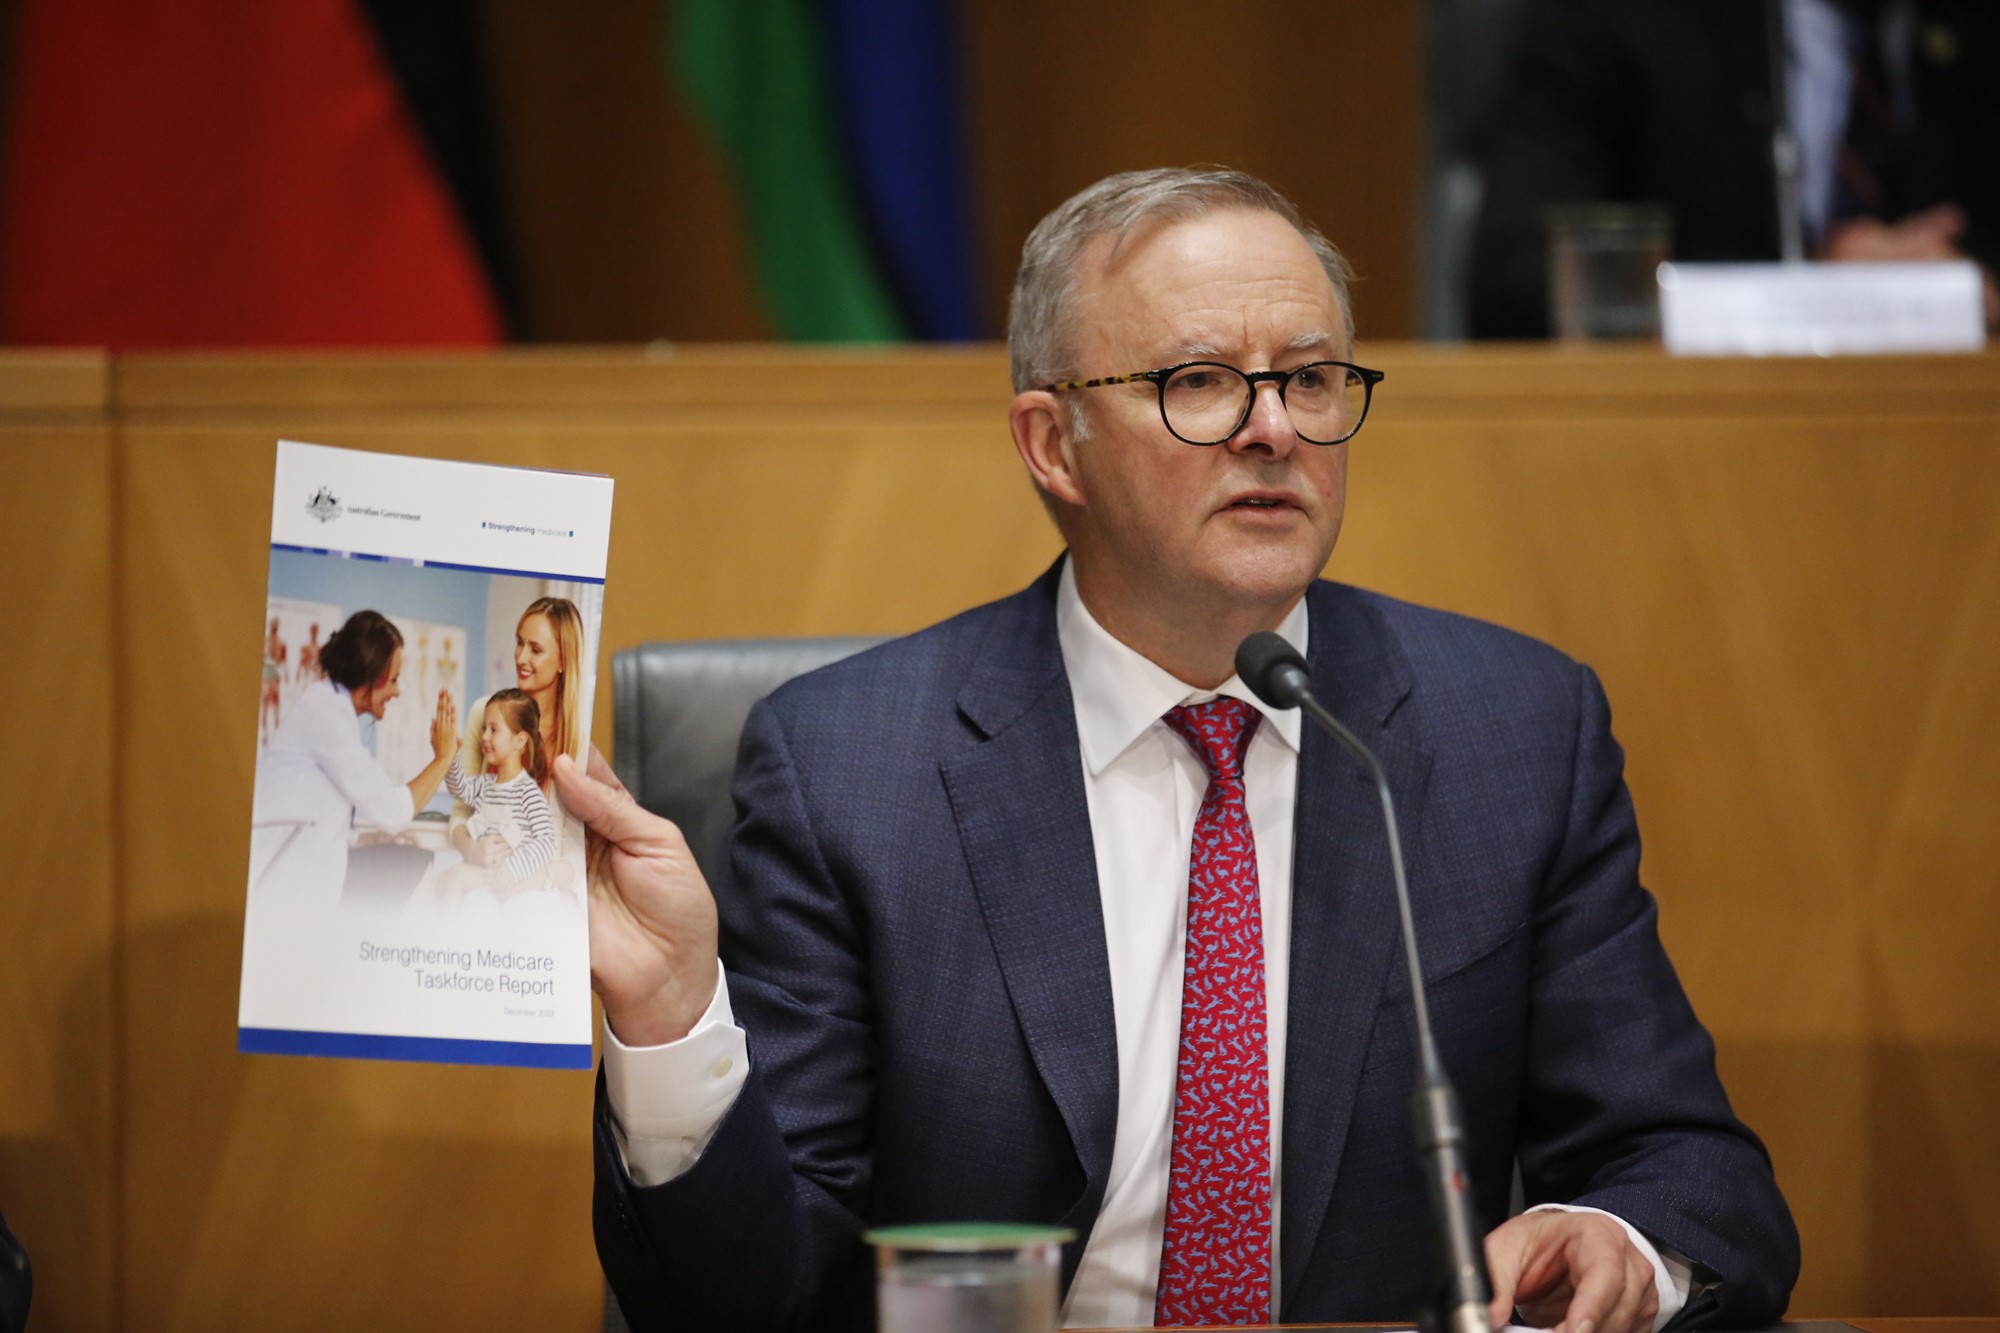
(316, 778)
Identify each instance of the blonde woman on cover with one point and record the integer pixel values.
(548, 653)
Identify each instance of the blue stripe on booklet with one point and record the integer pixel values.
(435, 1050)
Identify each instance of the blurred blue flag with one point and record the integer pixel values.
(897, 81)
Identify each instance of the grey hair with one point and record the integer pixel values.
(1041, 319)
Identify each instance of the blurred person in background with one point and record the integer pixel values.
(1894, 103)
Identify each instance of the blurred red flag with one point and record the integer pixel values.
(188, 173)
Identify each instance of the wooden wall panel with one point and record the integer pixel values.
(1787, 574)
(290, 1193)
(1324, 101)
(1794, 619)
(462, 1194)
(612, 187)
(58, 984)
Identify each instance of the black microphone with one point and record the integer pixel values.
(1275, 673)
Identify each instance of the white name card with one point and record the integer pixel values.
(1821, 309)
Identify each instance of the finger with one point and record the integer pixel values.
(600, 769)
(1599, 1279)
(1504, 1246)
(1542, 1280)
(1623, 1316)
(1946, 220)
(1546, 1306)
(608, 810)
(1646, 1294)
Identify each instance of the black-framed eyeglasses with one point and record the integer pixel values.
(1206, 402)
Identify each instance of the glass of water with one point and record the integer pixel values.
(1604, 262)
(967, 1277)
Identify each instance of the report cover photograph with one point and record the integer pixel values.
(415, 889)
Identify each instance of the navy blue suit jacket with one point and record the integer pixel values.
(915, 949)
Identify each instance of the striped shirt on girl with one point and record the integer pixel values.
(517, 805)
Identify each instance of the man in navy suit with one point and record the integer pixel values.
(976, 919)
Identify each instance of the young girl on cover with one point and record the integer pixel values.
(507, 802)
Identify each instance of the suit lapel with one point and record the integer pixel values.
(1024, 824)
(1344, 919)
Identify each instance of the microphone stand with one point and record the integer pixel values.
(1277, 675)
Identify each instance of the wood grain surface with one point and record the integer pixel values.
(1786, 573)
(59, 982)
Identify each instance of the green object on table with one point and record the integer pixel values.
(952, 1237)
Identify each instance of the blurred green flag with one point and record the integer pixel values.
(756, 73)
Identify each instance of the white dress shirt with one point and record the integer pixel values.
(1818, 91)
(1144, 787)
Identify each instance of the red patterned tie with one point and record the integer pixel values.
(1215, 1260)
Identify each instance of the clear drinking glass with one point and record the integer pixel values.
(967, 1277)
(1604, 262)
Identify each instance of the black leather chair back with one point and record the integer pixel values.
(677, 714)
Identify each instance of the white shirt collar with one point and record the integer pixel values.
(1119, 694)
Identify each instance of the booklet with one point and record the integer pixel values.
(416, 890)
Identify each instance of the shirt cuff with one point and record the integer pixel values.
(1673, 1275)
(666, 1101)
